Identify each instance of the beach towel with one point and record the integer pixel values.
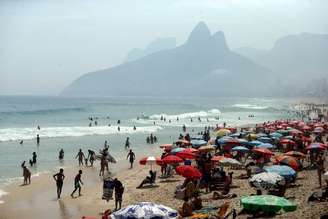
(108, 187)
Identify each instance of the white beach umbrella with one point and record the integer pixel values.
(230, 162)
(146, 210)
(267, 180)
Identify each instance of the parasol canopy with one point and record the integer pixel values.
(267, 180)
(170, 159)
(146, 210)
(267, 203)
(287, 172)
(188, 171)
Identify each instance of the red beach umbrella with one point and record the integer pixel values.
(264, 151)
(186, 155)
(217, 158)
(289, 161)
(189, 172)
(295, 154)
(314, 146)
(170, 159)
(287, 141)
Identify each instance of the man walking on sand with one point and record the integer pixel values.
(131, 157)
(77, 183)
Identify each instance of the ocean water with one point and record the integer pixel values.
(64, 124)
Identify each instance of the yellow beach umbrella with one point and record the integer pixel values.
(223, 132)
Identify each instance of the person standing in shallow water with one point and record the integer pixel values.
(59, 178)
(37, 139)
(131, 156)
(127, 143)
(77, 183)
(26, 174)
(34, 156)
(80, 156)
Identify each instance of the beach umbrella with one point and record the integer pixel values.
(237, 134)
(295, 154)
(288, 137)
(254, 143)
(226, 161)
(267, 180)
(265, 145)
(316, 146)
(170, 159)
(150, 160)
(260, 135)
(283, 131)
(289, 161)
(318, 129)
(265, 139)
(287, 141)
(186, 154)
(276, 134)
(306, 128)
(256, 169)
(146, 210)
(176, 150)
(242, 141)
(263, 151)
(267, 204)
(217, 158)
(240, 149)
(224, 139)
(206, 148)
(287, 172)
(223, 132)
(182, 141)
(295, 132)
(198, 143)
(188, 171)
(166, 146)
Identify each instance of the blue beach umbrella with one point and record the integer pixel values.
(243, 141)
(265, 145)
(287, 172)
(276, 135)
(254, 143)
(223, 140)
(240, 149)
(198, 143)
(265, 139)
(259, 135)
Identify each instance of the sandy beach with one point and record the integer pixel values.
(38, 200)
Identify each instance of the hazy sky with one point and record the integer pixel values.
(45, 45)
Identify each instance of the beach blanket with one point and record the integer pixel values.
(108, 187)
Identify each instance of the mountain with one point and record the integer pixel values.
(203, 66)
(251, 53)
(295, 60)
(155, 46)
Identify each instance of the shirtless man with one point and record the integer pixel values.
(81, 157)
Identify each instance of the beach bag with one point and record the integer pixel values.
(108, 188)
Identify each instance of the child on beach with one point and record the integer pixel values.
(77, 183)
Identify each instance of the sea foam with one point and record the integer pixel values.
(16, 134)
